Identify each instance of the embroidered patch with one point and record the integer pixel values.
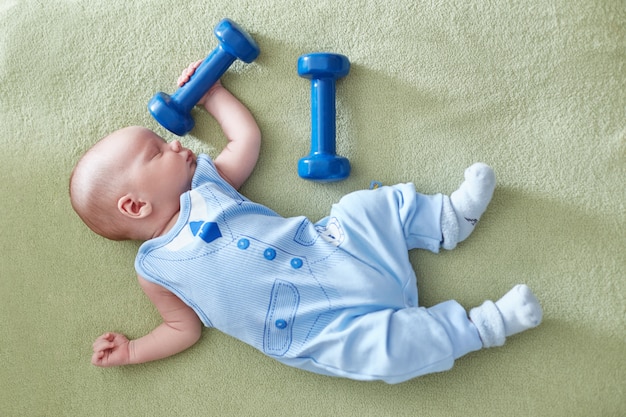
(332, 232)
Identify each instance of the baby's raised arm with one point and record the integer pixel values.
(237, 160)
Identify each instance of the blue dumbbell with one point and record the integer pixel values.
(323, 164)
(174, 112)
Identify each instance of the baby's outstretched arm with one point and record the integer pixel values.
(181, 328)
(237, 160)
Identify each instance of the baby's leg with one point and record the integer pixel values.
(462, 210)
(392, 345)
(517, 311)
(395, 345)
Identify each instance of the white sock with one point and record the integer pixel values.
(462, 210)
(516, 311)
(520, 310)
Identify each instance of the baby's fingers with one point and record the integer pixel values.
(97, 358)
(103, 342)
(188, 72)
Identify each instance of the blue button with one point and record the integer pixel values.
(296, 263)
(243, 243)
(269, 254)
(280, 323)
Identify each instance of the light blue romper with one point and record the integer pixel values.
(338, 297)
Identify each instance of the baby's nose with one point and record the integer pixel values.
(176, 146)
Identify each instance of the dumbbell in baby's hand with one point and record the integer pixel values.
(186, 76)
(174, 112)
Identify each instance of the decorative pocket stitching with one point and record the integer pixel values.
(280, 317)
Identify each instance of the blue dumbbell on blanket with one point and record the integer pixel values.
(174, 112)
(323, 164)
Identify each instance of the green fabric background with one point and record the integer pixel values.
(536, 88)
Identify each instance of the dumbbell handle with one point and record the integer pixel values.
(207, 74)
(323, 113)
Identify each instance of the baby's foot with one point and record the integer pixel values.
(465, 206)
(520, 310)
(471, 199)
(517, 311)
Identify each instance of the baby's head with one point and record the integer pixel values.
(128, 185)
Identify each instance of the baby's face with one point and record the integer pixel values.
(161, 171)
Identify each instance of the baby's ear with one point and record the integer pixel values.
(133, 207)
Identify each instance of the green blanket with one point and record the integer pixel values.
(535, 88)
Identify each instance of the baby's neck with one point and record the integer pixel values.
(171, 223)
(168, 225)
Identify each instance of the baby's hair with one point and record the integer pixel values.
(94, 191)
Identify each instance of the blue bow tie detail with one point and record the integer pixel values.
(207, 231)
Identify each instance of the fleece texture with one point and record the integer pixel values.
(534, 88)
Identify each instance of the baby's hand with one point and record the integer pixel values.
(186, 75)
(188, 72)
(111, 349)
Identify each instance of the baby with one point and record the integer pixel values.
(336, 297)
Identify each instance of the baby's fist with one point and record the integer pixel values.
(111, 349)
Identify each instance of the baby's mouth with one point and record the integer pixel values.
(191, 158)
